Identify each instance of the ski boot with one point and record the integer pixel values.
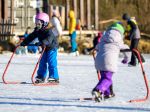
(130, 64)
(98, 96)
(109, 96)
(112, 94)
(39, 80)
(52, 80)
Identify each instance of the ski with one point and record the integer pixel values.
(46, 84)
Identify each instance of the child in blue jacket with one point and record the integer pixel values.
(48, 38)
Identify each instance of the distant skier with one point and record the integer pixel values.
(106, 59)
(134, 36)
(31, 49)
(48, 36)
(72, 33)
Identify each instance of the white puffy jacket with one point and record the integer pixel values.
(108, 51)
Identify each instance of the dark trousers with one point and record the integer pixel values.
(134, 45)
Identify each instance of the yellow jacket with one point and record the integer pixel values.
(72, 23)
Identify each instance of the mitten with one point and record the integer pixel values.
(125, 61)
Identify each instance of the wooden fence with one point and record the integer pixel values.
(6, 30)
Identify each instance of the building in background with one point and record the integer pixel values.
(21, 13)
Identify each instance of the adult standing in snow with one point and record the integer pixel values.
(72, 32)
(56, 23)
(48, 37)
(134, 36)
(106, 59)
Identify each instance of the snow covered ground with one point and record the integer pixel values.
(77, 78)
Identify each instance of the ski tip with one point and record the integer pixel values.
(83, 99)
(23, 82)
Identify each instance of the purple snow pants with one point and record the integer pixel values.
(105, 82)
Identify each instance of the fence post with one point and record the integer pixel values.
(67, 13)
(82, 12)
(96, 15)
(11, 21)
(6, 31)
(62, 14)
(89, 14)
(75, 7)
(5, 9)
(0, 11)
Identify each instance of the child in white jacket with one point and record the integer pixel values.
(107, 57)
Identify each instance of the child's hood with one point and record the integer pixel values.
(118, 26)
(71, 14)
(112, 36)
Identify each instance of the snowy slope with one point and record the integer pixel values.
(77, 78)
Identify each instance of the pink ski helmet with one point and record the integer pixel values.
(42, 16)
(41, 20)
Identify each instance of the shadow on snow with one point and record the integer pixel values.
(66, 105)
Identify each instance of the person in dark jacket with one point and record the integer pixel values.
(44, 32)
(96, 40)
(134, 36)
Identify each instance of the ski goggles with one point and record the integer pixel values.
(40, 24)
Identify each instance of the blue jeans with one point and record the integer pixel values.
(47, 64)
(73, 41)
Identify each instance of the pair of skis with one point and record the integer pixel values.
(33, 74)
(145, 98)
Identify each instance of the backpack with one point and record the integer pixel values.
(78, 24)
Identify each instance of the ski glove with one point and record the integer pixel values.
(38, 44)
(125, 61)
